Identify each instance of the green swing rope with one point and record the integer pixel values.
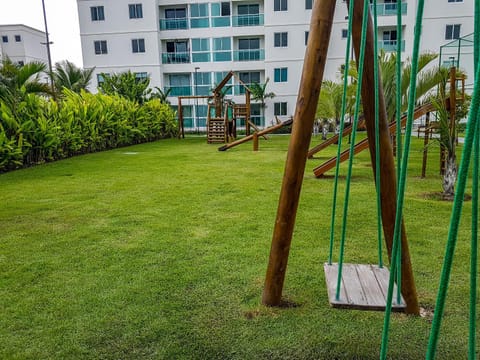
(352, 142)
(377, 136)
(340, 134)
(474, 239)
(455, 218)
(403, 175)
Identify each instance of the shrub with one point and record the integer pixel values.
(39, 130)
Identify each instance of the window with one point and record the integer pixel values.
(18, 38)
(280, 5)
(249, 44)
(308, 4)
(202, 82)
(281, 39)
(454, 1)
(200, 50)
(248, 78)
(280, 108)
(138, 45)
(280, 74)
(180, 13)
(5, 38)
(140, 76)
(21, 63)
(135, 11)
(222, 49)
(199, 16)
(100, 47)
(452, 32)
(225, 9)
(97, 13)
(101, 78)
(344, 33)
(253, 9)
(306, 37)
(178, 52)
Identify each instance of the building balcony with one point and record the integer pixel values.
(199, 22)
(203, 56)
(247, 20)
(390, 45)
(389, 9)
(179, 90)
(225, 55)
(176, 58)
(249, 55)
(220, 21)
(174, 24)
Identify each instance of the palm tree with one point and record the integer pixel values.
(161, 95)
(17, 81)
(68, 76)
(259, 93)
(428, 78)
(127, 85)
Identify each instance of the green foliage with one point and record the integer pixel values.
(67, 75)
(259, 92)
(126, 85)
(37, 130)
(17, 81)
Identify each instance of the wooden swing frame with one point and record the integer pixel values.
(309, 91)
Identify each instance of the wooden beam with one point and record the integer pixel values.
(388, 184)
(312, 75)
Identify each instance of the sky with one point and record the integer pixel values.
(62, 20)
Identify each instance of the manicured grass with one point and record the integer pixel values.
(159, 251)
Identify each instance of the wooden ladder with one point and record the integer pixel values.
(216, 128)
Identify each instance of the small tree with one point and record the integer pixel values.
(161, 95)
(447, 131)
(127, 85)
(67, 75)
(259, 93)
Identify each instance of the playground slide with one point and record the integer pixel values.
(362, 145)
(259, 133)
(333, 140)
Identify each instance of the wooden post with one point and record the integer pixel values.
(255, 141)
(425, 145)
(388, 185)
(181, 129)
(247, 112)
(312, 75)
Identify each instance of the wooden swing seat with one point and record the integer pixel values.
(364, 287)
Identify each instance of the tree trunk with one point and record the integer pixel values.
(449, 178)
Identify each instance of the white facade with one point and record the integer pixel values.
(22, 44)
(187, 46)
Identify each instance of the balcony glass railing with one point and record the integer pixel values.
(179, 90)
(249, 55)
(176, 58)
(222, 55)
(220, 21)
(174, 24)
(199, 22)
(203, 56)
(387, 9)
(247, 20)
(390, 45)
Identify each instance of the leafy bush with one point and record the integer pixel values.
(37, 130)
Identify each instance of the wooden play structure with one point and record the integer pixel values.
(258, 133)
(222, 115)
(363, 286)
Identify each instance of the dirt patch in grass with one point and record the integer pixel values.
(437, 195)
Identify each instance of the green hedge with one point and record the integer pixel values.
(37, 130)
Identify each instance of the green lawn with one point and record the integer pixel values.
(159, 251)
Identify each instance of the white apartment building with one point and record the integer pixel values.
(22, 44)
(188, 46)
